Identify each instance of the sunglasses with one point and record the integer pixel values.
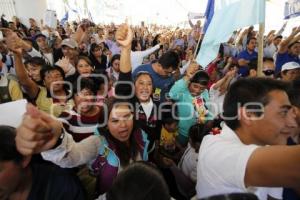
(268, 72)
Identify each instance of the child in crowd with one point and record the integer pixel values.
(105, 88)
(168, 133)
(83, 119)
(188, 162)
(169, 147)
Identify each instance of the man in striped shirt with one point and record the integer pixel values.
(83, 119)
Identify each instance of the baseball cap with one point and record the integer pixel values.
(39, 35)
(290, 65)
(70, 43)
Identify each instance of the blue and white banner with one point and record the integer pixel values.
(64, 19)
(209, 13)
(229, 15)
(291, 9)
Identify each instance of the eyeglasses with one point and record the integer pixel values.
(268, 72)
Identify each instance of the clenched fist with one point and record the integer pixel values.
(38, 132)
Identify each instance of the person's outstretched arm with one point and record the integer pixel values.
(41, 133)
(16, 45)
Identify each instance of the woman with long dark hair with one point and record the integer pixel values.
(115, 145)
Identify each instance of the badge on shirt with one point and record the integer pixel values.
(156, 95)
(200, 109)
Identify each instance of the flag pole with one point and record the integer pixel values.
(261, 45)
(198, 43)
(260, 49)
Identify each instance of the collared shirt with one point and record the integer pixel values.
(283, 58)
(137, 57)
(53, 106)
(113, 47)
(270, 50)
(226, 174)
(247, 56)
(10, 89)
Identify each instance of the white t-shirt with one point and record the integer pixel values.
(188, 163)
(270, 50)
(216, 101)
(222, 164)
(137, 57)
(49, 57)
(147, 107)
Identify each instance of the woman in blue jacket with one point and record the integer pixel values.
(192, 98)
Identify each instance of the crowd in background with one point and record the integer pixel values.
(120, 112)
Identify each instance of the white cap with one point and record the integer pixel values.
(290, 65)
(70, 43)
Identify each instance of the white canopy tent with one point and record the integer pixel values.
(167, 12)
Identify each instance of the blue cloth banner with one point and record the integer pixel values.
(209, 12)
(64, 19)
(229, 15)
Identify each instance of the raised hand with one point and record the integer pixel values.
(64, 63)
(38, 132)
(124, 36)
(192, 69)
(13, 42)
(162, 39)
(296, 30)
(231, 73)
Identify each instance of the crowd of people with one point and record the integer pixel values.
(125, 112)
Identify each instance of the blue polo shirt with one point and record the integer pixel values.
(283, 58)
(247, 56)
(161, 85)
(243, 70)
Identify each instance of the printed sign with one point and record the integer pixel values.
(291, 9)
(50, 19)
(12, 113)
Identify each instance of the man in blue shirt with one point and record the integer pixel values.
(161, 73)
(289, 50)
(246, 56)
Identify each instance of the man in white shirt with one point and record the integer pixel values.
(250, 153)
(137, 57)
(272, 48)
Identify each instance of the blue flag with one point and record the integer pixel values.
(229, 15)
(64, 19)
(209, 13)
(90, 17)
